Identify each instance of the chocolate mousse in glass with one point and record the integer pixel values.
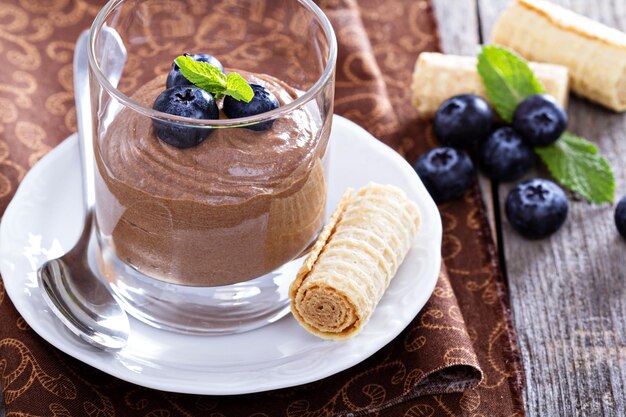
(207, 238)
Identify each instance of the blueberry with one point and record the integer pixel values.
(463, 120)
(175, 77)
(504, 156)
(446, 172)
(540, 119)
(262, 102)
(184, 101)
(536, 208)
(620, 217)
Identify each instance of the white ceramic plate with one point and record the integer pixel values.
(43, 221)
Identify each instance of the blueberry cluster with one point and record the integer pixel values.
(182, 98)
(535, 208)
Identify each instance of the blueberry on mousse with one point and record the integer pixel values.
(536, 208)
(504, 156)
(262, 102)
(540, 119)
(446, 172)
(175, 77)
(185, 101)
(198, 100)
(463, 121)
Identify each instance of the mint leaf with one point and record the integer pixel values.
(238, 88)
(211, 79)
(202, 74)
(507, 78)
(576, 163)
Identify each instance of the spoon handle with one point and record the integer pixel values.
(84, 122)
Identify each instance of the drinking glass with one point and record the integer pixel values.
(207, 239)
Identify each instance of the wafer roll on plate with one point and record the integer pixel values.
(595, 54)
(437, 77)
(353, 261)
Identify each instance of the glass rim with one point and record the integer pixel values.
(300, 101)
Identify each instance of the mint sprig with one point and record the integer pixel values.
(578, 165)
(572, 160)
(211, 79)
(507, 79)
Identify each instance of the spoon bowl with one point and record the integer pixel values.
(81, 301)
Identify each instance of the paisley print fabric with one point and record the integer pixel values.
(457, 358)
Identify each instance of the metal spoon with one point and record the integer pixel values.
(71, 289)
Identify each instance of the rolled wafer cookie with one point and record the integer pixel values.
(595, 54)
(437, 77)
(355, 257)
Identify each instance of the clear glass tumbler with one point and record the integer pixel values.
(207, 239)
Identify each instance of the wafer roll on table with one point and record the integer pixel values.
(595, 54)
(354, 259)
(437, 77)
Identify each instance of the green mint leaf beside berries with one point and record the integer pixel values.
(572, 160)
(238, 88)
(578, 165)
(507, 79)
(211, 79)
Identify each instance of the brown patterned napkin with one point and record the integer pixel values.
(458, 357)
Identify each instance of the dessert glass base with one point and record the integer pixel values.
(217, 310)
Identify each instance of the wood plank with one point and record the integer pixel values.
(458, 26)
(568, 292)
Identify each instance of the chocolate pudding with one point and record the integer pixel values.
(233, 208)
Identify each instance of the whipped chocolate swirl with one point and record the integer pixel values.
(232, 165)
(233, 208)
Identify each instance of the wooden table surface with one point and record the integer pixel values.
(568, 292)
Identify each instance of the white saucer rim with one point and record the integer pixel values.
(94, 358)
